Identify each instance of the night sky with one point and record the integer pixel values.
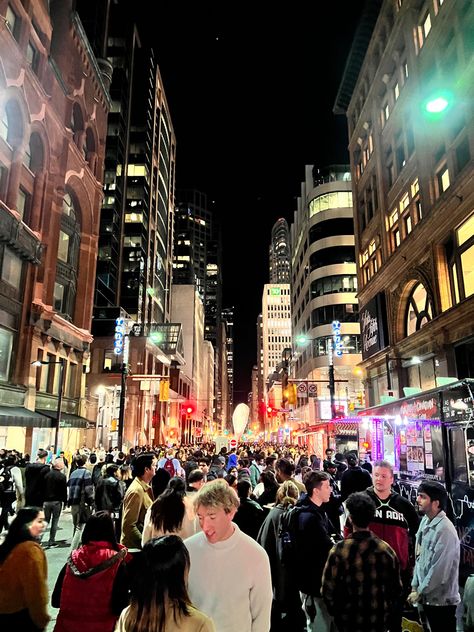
(251, 89)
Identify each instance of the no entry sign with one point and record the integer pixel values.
(233, 443)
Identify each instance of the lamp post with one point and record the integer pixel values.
(62, 373)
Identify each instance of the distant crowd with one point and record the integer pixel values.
(259, 538)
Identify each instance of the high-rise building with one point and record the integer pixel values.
(407, 92)
(276, 325)
(53, 119)
(227, 318)
(324, 287)
(135, 233)
(279, 252)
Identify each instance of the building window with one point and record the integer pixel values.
(58, 298)
(462, 260)
(419, 309)
(424, 29)
(11, 268)
(13, 22)
(442, 179)
(68, 254)
(63, 246)
(6, 346)
(22, 203)
(32, 57)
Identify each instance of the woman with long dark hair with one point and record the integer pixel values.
(23, 574)
(159, 594)
(270, 488)
(171, 513)
(92, 588)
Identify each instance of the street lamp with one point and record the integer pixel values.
(62, 373)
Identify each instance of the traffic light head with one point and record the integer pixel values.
(189, 408)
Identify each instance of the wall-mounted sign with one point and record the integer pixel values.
(373, 324)
(118, 336)
(336, 336)
(275, 291)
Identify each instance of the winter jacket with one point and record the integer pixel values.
(313, 544)
(92, 589)
(55, 486)
(108, 494)
(35, 484)
(395, 522)
(435, 577)
(354, 479)
(249, 517)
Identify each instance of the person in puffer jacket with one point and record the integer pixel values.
(92, 588)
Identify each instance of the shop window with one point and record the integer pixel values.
(419, 310)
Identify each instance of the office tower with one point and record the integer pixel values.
(280, 252)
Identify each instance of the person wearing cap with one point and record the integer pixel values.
(435, 577)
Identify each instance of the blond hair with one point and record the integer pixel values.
(287, 494)
(216, 494)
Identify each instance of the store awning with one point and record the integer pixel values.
(20, 416)
(68, 420)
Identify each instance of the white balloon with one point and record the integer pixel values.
(240, 419)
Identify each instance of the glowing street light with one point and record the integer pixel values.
(437, 105)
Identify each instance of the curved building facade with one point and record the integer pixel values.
(280, 252)
(324, 289)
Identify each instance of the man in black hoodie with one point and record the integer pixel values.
(35, 486)
(354, 479)
(313, 544)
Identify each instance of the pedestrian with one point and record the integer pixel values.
(329, 458)
(270, 488)
(468, 603)
(354, 479)
(334, 508)
(55, 497)
(137, 500)
(250, 515)
(34, 480)
(196, 480)
(171, 513)
(108, 494)
(361, 580)
(286, 605)
(159, 596)
(92, 588)
(312, 546)
(285, 471)
(11, 488)
(221, 551)
(23, 574)
(435, 577)
(80, 498)
(256, 468)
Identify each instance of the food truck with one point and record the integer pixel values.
(431, 435)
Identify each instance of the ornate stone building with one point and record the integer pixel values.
(407, 92)
(53, 118)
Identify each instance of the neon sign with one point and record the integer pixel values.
(119, 336)
(336, 336)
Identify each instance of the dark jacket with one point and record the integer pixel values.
(333, 508)
(354, 479)
(35, 485)
(249, 517)
(313, 544)
(108, 495)
(268, 538)
(55, 486)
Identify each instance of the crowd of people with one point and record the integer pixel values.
(250, 540)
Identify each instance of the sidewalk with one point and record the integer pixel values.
(57, 557)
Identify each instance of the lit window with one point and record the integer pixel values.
(63, 246)
(427, 25)
(419, 311)
(396, 91)
(465, 231)
(415, 187)
(443, 179)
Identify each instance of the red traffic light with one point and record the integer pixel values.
(269, 410)
(189, 408)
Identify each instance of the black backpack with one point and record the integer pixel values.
(6, 480)
(287, 535)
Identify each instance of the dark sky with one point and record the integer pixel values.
(251, 89)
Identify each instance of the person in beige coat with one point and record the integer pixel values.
(159, 595)
(138, 498)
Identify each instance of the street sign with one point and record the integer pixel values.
(233, 443)
(312, 390)
(302, 389)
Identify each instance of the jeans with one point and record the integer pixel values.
(318, 618)
(78, 527)
(52, 511)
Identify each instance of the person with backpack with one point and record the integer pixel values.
(108, 494)
(286, 606)
(170, 464)
(35, 480)
(310, 532)
(10, 484)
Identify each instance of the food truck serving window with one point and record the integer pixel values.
(459, 465)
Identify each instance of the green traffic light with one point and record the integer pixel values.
(301, 340)
(437, 104)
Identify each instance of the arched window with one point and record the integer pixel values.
(68, 259)
(34, 155)
(419, 309)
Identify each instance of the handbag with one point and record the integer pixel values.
(85, 510)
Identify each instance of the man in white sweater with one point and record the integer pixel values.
(229, 579)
